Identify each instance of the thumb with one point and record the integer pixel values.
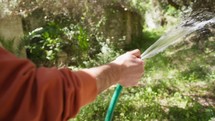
(135, 52)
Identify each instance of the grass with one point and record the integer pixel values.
(178, 85)
(147, 39)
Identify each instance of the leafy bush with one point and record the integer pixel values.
(44, 44)
(47, 44)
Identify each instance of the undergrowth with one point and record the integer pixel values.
(178, 85)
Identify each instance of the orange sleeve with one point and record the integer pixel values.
(28, 93)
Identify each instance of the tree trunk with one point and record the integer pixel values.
(11, 29)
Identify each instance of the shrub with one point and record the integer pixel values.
(78, 46)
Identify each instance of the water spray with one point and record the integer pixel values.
(171, 37)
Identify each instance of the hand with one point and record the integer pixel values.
(132, 68)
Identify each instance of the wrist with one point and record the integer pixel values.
(105, 75)
(117, 70)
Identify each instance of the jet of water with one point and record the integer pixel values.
(174, 36)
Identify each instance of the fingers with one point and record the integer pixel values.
(139, 61)
(133, 68)
(135, 52)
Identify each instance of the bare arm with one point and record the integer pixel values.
(126, 70)
(50, 94)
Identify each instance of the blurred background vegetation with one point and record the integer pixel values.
(178, 84)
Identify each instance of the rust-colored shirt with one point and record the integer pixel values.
(28, 93)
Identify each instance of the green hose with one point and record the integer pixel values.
(113, 102)
(115, 98)
(160, 45)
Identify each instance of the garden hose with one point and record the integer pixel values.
(113, 102)
(173, 36)
(115, 98)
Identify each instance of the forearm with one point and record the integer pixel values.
(106, 75)
(126, 70)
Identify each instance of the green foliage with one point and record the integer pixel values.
(76, 43)
(95, 111)
(171, 11)
(178, 84)
(44, 44)
(140, 5)
(148, 38)
(173, 88)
